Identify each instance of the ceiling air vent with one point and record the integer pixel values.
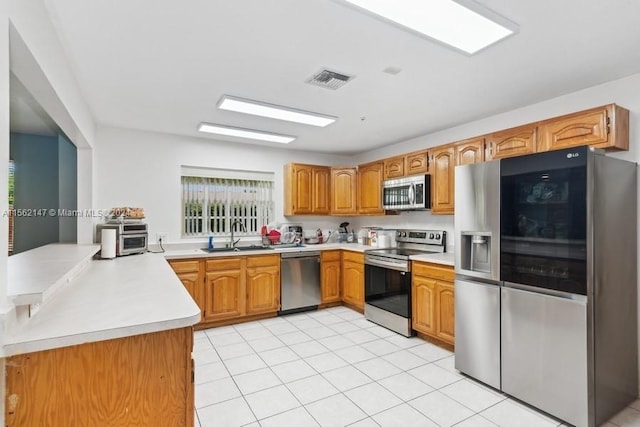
(329, 79)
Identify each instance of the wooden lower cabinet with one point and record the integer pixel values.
(224, 289)
(190, 274)
(142, 380)
(263, 284)
(433, 301)
(232, 288)
(330, 276)
(353, 279)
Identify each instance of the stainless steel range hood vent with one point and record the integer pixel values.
(329, 79)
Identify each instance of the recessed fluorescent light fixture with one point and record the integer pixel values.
(274, 111)
(245, 133)
(463, 24)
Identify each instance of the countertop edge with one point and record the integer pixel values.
(16, 348)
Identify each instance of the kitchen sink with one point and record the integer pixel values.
(237, 249)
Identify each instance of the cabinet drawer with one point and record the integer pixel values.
(352, 256)
(330, 256)
(435, 271)
(223, 264)
(190, 266)
(263, 260)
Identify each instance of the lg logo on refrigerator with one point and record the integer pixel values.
(572, 155)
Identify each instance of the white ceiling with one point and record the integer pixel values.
(162, 65)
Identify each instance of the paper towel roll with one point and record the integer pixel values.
(383, 241)
(108, 243)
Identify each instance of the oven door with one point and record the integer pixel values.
(388, 289)
(133, 243)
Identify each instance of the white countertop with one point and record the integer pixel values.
(33, 275)
(446, 258)
(109, 299)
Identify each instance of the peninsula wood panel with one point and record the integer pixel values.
(143, 380)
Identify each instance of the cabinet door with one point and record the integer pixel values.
(603, 127)
(263, 289)
(353, 279)
(511, 142)
(343, 191)
(370, 189)
(470, 151)
(442, 181)
(298, 189)
(423, 302)
(321, 191)
(193, 282)
(330, 281)
(445, 312)
(416, 163)
(394, 167)
(224, 293)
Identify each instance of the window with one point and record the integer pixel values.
(12, 168)
(210, 205)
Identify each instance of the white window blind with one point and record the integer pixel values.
(210, 205)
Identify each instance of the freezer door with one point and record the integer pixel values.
(477, 314)
(544, 353)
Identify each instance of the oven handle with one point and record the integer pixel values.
(393, 265)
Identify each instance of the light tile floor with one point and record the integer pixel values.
(334, 368)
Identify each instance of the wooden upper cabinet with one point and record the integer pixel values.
(343, 191)
(307, 189)
(442, 186)
(321, 190)
(394, 167)
(603, 127)
(469, 151)
(511, 142)
(416, 162)
(370, 178)
(409, 164)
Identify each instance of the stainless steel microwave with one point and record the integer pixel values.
(409, 193)
(131, 237)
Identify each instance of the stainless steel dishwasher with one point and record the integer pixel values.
(300, 281)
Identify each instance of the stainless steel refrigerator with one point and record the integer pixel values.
(546, 282)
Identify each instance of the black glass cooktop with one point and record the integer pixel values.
(400, 253)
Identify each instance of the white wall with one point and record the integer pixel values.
(142, 169)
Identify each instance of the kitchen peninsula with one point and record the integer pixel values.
(110, 346)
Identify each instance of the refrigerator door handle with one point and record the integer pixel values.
(544, 291)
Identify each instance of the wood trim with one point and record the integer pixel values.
(138, 380)
(436, 341)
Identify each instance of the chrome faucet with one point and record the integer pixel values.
(233, 226)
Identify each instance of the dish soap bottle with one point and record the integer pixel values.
(210, 247)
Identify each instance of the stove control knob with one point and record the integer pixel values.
(438, 236)
(404, 234)
(431, 236)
